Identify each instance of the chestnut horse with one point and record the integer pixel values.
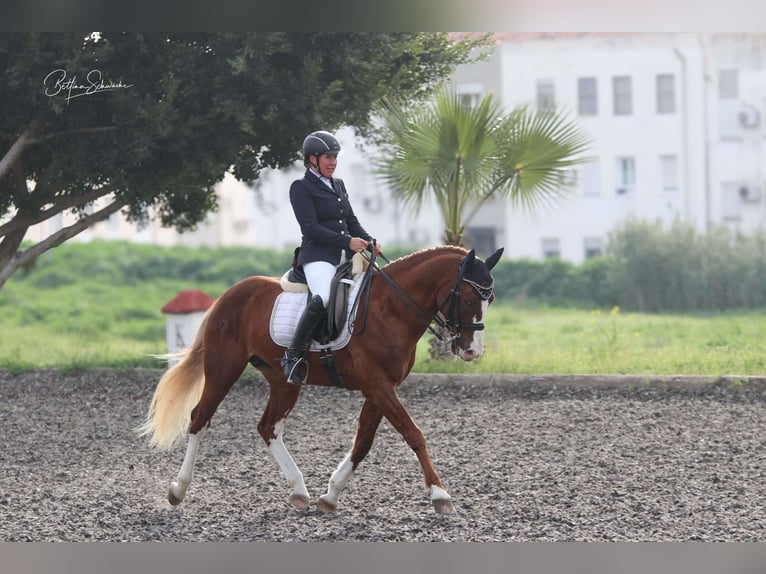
(446, 285)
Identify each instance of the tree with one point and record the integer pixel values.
(464, 155)
(154, 120)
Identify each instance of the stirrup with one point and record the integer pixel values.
(295, 370)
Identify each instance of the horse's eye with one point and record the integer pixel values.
(468, 302)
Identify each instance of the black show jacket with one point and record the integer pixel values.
(326, 219)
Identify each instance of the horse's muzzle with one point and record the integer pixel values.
(469, 354)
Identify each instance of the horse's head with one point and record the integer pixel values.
(467, 304)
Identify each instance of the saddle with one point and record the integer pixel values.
(339, 307)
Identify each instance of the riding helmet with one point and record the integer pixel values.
(319, 142)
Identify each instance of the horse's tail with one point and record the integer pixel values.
(177, 393)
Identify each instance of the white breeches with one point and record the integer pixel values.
(319, 275)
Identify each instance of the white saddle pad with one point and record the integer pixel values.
(288, 308)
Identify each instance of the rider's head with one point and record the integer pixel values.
(315, 146)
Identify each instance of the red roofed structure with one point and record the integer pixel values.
(188, 301)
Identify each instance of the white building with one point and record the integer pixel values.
(675, 120)
(677, 128)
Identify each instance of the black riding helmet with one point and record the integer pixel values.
(319, 142)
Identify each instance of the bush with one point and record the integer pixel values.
(648, 267)
(556, 282)
(679, 269)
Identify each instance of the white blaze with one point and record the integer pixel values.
(477, 343)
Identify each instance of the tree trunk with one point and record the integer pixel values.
(19, 258)
(438, 349)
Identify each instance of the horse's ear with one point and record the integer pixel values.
(494, 258)
(468, 261)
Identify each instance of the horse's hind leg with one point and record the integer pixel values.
(177, 490)
(223, 368)
(369, 421)
(282, 399)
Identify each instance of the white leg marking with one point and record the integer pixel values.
(287, 465)
(439, 493)
(338, 481)
(181, 483)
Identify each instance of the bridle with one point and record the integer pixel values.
(449, 323)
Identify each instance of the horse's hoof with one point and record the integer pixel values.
(173, 499)
(326, 507)
(443, 506)
(299, 501)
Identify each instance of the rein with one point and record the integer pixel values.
(450, 324)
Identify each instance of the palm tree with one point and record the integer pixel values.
(464, 155)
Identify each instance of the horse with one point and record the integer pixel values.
(447, 285)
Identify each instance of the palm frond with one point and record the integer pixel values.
(538, 151)
(463, 155)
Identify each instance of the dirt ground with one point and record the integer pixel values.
(537, 458)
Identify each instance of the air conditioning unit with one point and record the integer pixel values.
(749, 117)
(750, 193)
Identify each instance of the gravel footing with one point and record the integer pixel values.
(546, 458)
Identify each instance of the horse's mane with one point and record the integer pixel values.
(408, 261)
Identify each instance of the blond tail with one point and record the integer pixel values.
(177, 393)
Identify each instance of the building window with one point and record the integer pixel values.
(546, 95)
(729, 107)
(587, 97)
(551, 247)
(623, 96)
(728, 84)
(482, 239)
(666, 94)
(591, 183)
(669, 172)
(469, 100)
(626, 175)
(470, 94)
(592, 247)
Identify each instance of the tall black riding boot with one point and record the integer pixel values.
(309, 321)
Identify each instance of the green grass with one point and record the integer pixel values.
(98, 305)
(544, 340)
(92, 323)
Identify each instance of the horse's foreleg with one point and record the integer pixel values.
(282, 398)
(398, 416)
(369, 420)
(177, 490)
(300, 494)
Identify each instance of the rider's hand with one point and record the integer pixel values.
(357, 244)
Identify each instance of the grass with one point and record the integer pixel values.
(93, 323)
(86, 324)
(544, 340)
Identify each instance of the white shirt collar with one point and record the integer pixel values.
(325, 180)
